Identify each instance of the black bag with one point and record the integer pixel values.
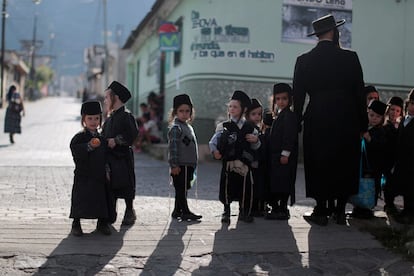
(16, 107)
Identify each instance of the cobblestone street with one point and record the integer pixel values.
(36, 176)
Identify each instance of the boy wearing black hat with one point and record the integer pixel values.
(120, 130)
(374, 163)
(235, 142)
(403, 175)
(182, 155)
(90, 192)
(393, 116)
(283, 153)
(254, 115)
(371, 94)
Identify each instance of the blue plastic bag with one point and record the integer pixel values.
(366, 193)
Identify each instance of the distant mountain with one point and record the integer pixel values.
(66, 27)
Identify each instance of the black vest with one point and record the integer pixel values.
(233, 145)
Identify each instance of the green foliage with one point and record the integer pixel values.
(44, 75)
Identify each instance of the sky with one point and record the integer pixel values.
(67, 27)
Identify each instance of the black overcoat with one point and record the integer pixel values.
(122, 126)
(283, 136)
(334, 118)
(90, 191)
(403, 175)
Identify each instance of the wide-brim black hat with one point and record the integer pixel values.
(370, 88)
(91, 108)
(120, 90)
(396, 101)
(324, 24)
(282, 88)
(182, 99)
(411, 95)
(378, 107)
(242, 97)
(255, 104)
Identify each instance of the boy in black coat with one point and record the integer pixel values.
(120, 130)
(403, 175)
(283, 149)
(90, 192)
(374, 161)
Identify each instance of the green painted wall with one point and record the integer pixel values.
(382, 34)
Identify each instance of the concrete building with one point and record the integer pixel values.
(250, 45)
(15, 73)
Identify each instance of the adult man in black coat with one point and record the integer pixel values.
(121, 130)
(333, 121)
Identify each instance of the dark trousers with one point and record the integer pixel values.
(279, 201)
(327, 207)
(182, 183)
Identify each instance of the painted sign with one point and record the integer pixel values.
(169, 37)
(297, 17)
(213, 40)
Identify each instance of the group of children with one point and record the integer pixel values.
(390, 153)
(259, 153)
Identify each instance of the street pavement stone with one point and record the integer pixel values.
(36, 177)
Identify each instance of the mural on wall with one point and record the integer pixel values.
(297, 17)
(213, 40)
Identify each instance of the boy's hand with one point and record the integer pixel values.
(284, 160)
(251, 138)
(217, 155)
(111, 143)
(175, 171)
(367, 136)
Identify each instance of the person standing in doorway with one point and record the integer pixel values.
(120, 130)
(333, 121)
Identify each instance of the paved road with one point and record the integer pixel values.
(35, 184)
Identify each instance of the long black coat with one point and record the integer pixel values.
(90, 192)
(403, 175)
(334, 118)
(283, 136)
(122, 126)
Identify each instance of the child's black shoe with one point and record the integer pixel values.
(225, 218)
(76, 229)
(129, 217)
(103, 227)
(176, 214)
(282, 214)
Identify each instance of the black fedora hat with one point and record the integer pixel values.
(324, 24)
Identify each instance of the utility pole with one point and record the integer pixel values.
(3, 30)
(106, 61)
(32, 60)
(32, 75)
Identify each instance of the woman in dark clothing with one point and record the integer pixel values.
(90, 192)
(14, 113)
